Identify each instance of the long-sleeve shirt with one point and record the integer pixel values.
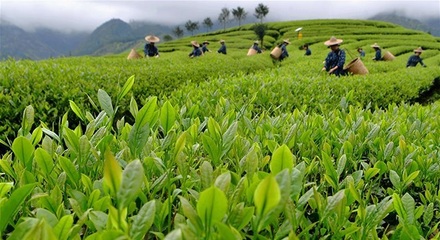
(378, 55)
(222, 49)
(196, 52)
(284, 52)
(414, 60)
(334, 59)
(205, 49)
(256, 48)
(150, 50)
(308, 52)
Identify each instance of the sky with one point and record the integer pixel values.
(87, 15)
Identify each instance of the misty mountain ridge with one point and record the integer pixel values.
(430, 25)
(116, 36)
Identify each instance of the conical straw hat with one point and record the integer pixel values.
(286, 41)
(152, 38)
(195, 44)
(419, 49)
(333, 41)
(375, 45)
(133, 54)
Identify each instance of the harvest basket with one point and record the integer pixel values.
(388, 56)
(356, 66)
(251, 52)
(276, 53)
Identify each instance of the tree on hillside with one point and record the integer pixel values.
(260, 31)
(239, 14)
(167, 38)
(178, 32)
(192, 26)
(208, 23)
(223, 18)
(261, 11)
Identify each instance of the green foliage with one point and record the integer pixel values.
(280, 153)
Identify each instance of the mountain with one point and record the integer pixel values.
(40, 44)
(431, 25)
(115, 36)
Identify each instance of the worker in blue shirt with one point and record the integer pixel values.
(205, 47)
(256, 47)
(306, 48)
(283, 46)
(150, 49)
(378, 55)
(222, 48)
(196, 52)
(361, 52)
(415, 59)
(335, 60)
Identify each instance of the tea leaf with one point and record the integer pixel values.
(147, 114)
(212, 205)
(70, 169)
(267, 195)
(132, 181)
(44, 161)
(106, 102)
(112, 173)
(167, 116)
(126, 88)
(28, 119)
(395, 179)
(79, 113)
(428, 214)
(13, 204)
(282, 159)
(143, 220)
(23, 150)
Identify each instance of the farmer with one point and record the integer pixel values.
(256, 47)
(335, 60)
(283, 46)
(205, 47)
(222, 48)
(415, 59)
(306, 48)
(196, 52)
(361, 52)
(149, 49)
(378, 55)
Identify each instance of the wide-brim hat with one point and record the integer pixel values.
(375, 45)
(222, 41)
(152, 38)
(419, 50)
(133, 54)
(333, 41)
(256, 42)
(205, 42)
(195, 44)
(286, 41)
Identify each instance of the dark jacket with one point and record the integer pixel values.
(196, 52)
(414, 60)
(222, 49)
(334, 59)
(284, 52)
(150, 50)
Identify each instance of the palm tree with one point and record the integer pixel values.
(208, 23)
(261, 11)
(239, 14)
(224, 17)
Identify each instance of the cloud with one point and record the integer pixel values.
(76, 15)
